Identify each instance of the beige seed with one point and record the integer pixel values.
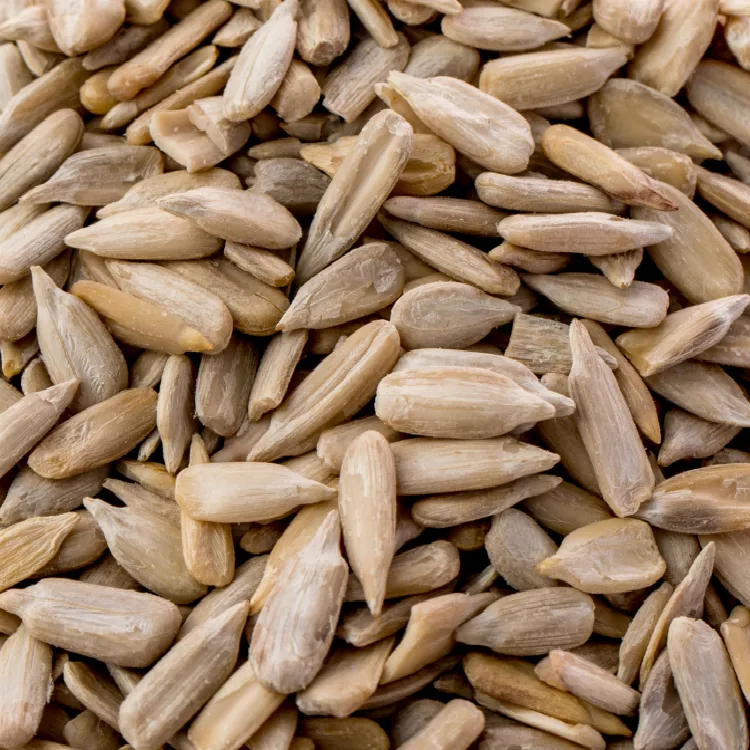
(338, 388)
(633, 389)
(728, 195)
(208, 116)
(446, 214)
(688, 436)
(36, 157)
(666, 61)
(15, 74)
(350, 87)
(277, 732)
(733, 232)
(275, 372)
(175, 134)
(35, 377)
(704, 390)
(348, 678)
(633, 22)
(589, 295)
(664, 165)
(238, 29)
(237, 492)
(560, 76)
(265, 265)
(714, 711)
(625, 113)
(456, 402)
(191, 672)
(501, 29)
(298, 93)
(590, 233)
(297, 623)
(38, 242)
(448, 314)
(455, 258)
(86, 25)
(138, 497)
(532, 622)
(594, 162)
(686, 601)
(102, 433)
(32, 26)
(367, 504)
(456, 727)
(56, 89)
(97, 692)
(129, 39)
(17, 217)
(75, 344)
(295, 184)
(730, 559)
(425, 466)
(735, 634)
(416, 571)
(661, 720)
(592, 683)
(364, 281)
(349, 204)
(175, 409)
(15, 355)
(135, 630)
(83, 546)
(141, 322)
(623, 473)
(625, 554)
(151, 63)
(322, 30)
(108, 573)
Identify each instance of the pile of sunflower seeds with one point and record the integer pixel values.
(374, 374)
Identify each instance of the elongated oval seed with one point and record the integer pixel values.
(382, 150)
(624, 552)
(590, 233)
(102, 433)
(364, 281)
(707, 684)
(76, 344)
(695, 257)
(175, 409)
(367, 504)
(456, 402)
(455, 258)
(297, 623)
(500, 140)
(188, 675)
(532, 622)
(592, 296)
(116, 626)
(237, 492)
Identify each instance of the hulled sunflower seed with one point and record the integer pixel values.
(457, 725)
(175, 409)
(322, 30)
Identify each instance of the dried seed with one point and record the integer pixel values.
(238, 29)
(175, 409)
(99, 434)
(38, 242)
(667, 60)
(83, 546)
(566, 508)
(38, 154)
(141, 322)
(446, 214)
(456, 727)
(532, 622)
(733, 232)
(76, 344)
(30, 25)
(730, 555)
(661, 722)
(634, 23)
(296, 626)
(97, 692)
(237, 492)
(129, 40)
(687, 600)
(277, 732)
(295, 184)
(175, 134)
(139, 234)
(15, 74)
(346, 681)
(530, 260)
(714, 711)
(174, 690)
(265, 265)
(625, 113)
(367, 504)
(559, 75)
(688, 436)
(416, 571)
(624, 475)
(590, 233)
(322, 30)
(633, 389)
(110, 624)
(85, 25)
(735, 634)
(148, 65)
(15, 355)
(664, 165)
(350, 87)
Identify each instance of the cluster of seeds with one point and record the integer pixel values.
(344, 345)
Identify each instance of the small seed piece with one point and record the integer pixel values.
(456, 727)
(625, 553)
(102, 433)
(111, 624)
(735, 634)
(624, 474)
(322, 30)
(532, 622)
(707, 685)
(208, 116)
(183, 680)
(364, 281)
(297, 623)
(682, 335)
(349, 204)
(367, 504)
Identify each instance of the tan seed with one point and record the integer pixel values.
(322, 30)
(175, 409)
